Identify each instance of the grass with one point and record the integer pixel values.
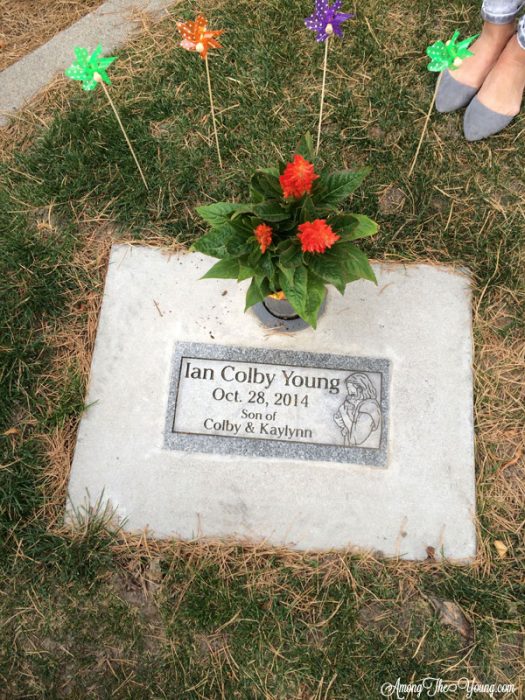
(97, 613)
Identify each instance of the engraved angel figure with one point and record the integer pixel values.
(360, 414)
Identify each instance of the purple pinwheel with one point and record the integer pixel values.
(326, 20)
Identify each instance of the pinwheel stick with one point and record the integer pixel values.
(425, 126)
(323, 90)
(213, 111)
(98, 78)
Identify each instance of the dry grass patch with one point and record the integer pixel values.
(25, 24)
(500, 422)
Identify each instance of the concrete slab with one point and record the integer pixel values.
(167, 341)
(110, 24)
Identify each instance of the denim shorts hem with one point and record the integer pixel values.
(497, 19)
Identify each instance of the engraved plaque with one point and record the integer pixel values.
(294, 405)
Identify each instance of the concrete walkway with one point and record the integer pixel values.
(110, 24)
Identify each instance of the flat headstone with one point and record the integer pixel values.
(277, 403)
(203, 423)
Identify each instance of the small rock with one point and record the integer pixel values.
(376, 133)
(501, 548)
(392, 201)
(431, 553)
(451, 614)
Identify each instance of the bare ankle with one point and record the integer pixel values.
(498, 33)
(514, 52)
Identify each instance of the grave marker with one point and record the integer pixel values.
(363, 436)
(275, 403)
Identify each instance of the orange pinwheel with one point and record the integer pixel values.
(197, 37)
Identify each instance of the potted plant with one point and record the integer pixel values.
(291, 239)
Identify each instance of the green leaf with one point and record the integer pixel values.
(290, 253)
(224, 269)
(242, 209)
(254, 256)
(267, 184)
(264, 285)
(356, 262)
(329, 267)
(365, 227)
(270, 171)
(296, 290)
(316, 292)
(307, 212)
(245, 272)
(211, 243)
(271, 211)
(222, 241)
(266, 265)
(256, 197)
(219, 213)
(353, 226)
(305, 147)
(288, 272)
(254, 295)
(291, 224)
(306, 293)
(333, 189)
(242, 224)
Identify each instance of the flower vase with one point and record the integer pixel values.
(277, 312)
(277, 305)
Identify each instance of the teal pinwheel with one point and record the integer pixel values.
(86, 67)
(450, 54)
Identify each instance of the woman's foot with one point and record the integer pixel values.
(458, 87)
(503, 88)
(486, 49)
(500, 98)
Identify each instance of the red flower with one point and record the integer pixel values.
(316, 236)
(263, 233)
(298, 178)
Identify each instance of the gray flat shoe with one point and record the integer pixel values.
(480, 121)
(452, 94)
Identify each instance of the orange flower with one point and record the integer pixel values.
(316, 236)
(263, 233)
(197, 37)
(298, 178)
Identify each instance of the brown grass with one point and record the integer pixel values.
(25, 24)
(500, 434)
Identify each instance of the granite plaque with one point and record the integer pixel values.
(278, 403)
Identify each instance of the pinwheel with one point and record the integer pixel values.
(87, 67)
(197, 37)
(443, 56)
(326, 22)
(450, 55)
(90, 69)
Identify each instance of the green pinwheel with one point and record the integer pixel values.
(443, 55)
(450, 54)
(91, 70)
(86, 68)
